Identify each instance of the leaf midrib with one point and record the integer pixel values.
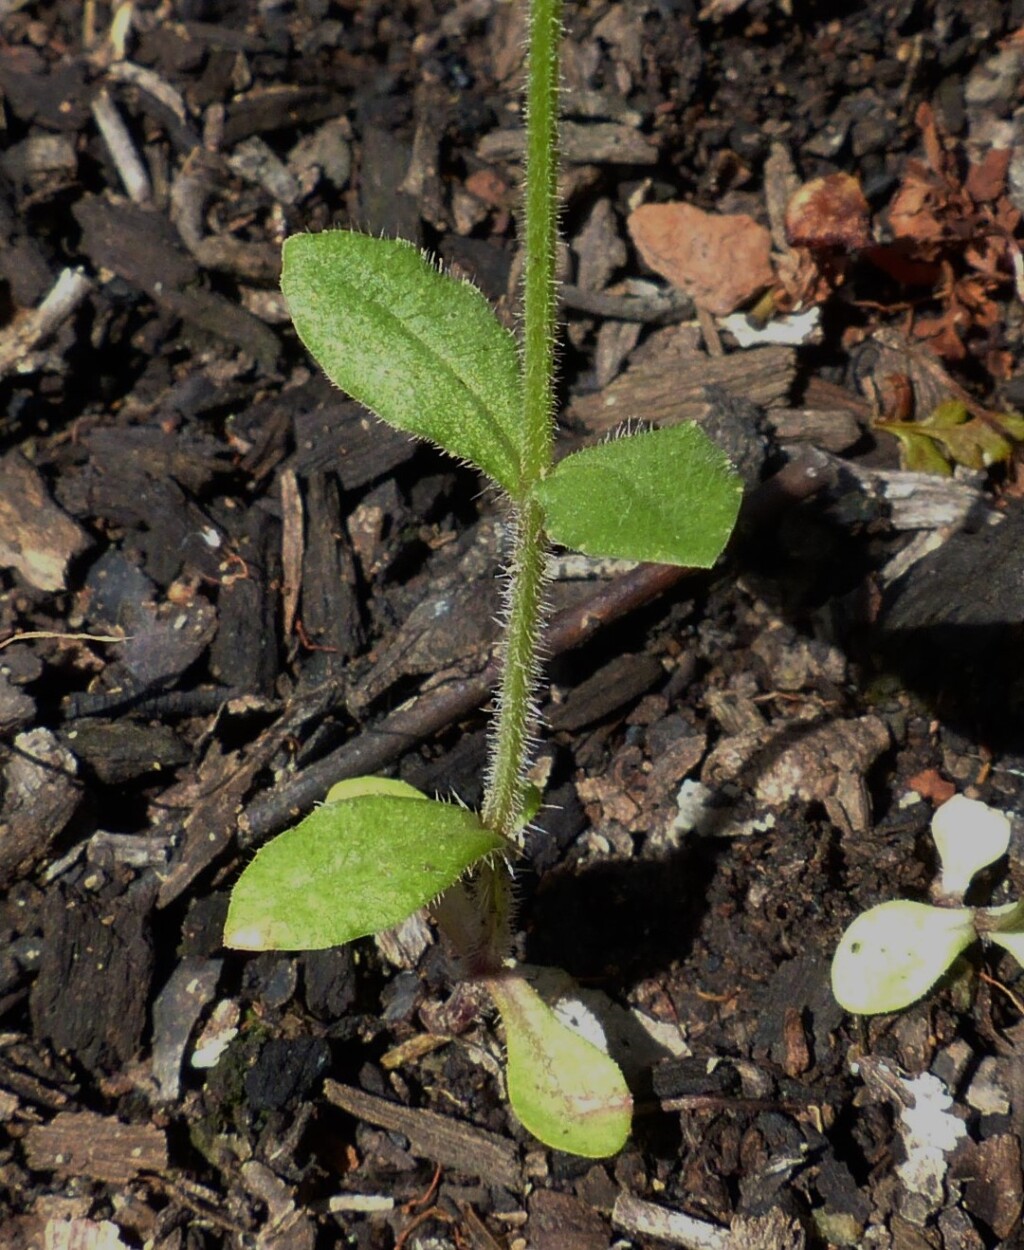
(493, 423)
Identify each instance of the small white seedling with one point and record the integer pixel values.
(968, 836)
(895, 952)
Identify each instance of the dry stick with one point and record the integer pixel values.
(19, 343)
(451, 1142)
(639, 1218)
(656, 308)
(121, 147)
(380, 745)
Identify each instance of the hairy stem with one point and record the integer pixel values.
(541, 235)
(510, 743)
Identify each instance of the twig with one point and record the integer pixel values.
(30, 635)
(463, 1147)
(18, 343)
(636, 1217)
(1005, 989)
(431, 1213)
(659, 308)
(121, 148)
(150, 702)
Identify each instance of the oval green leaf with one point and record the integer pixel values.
(350, 869)
(565, 1090)
(668, 496)
(421, 349)
(359, 787)
(894, 953)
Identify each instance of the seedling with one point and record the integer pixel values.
(427, 355)
(894, 953)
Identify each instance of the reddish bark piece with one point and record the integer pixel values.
(721, 261)
(930, 784)
(489, 187)
(829, 212)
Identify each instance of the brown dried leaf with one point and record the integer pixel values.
(942, 333)
(918, 207)
(829, 212)
(930, 137)
(721, 261)
(987, 179)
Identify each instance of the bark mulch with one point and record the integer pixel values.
(224, 586)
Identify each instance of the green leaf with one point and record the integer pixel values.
(669, 496)
(421, 349)
(895, 952)
(950, 433)
(357, 787)
(352, 868)
(918, 453)
(563, 1088)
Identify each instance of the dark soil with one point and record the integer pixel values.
(223, 587)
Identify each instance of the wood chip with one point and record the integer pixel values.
(92, 989)
(824, 763)
(82, 1143)
(670, 382)
(771, 1231)
(620, 682)
(291, 547)
(448, 1142)
(564, 1222)
(176, 1009)
(37, 539)
(639, 1218)
(832, 429)
(118, 139)
(991, 1174)
(80, 1234)
(600, 252)
(40, 795)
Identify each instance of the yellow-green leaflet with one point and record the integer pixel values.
(352, 868)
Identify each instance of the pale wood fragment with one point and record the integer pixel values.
(83, 1143)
